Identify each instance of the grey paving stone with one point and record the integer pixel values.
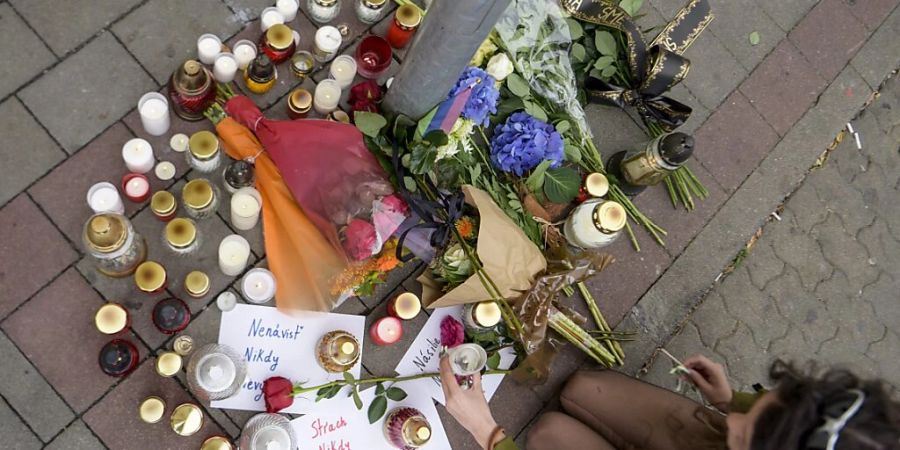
(714, 71)
(735, 20)
(109, 84)
(880, 54)
(248, 10)
(872, 12)
(76, 437)
(830, 51)
(23, 53)
(14, 431)
(163, 34)
(699, 113)
(787, 14)
(65, 25)
(613, 129)
(29, 394)
(22, 167)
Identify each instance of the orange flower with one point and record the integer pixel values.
(466, 228)
(387, 262)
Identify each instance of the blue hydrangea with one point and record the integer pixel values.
(523, 142)
(485, 95)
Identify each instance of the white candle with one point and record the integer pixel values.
(234, 252)
(154, 110)
(103, 197)
(226, 301)
(296, 37)
(270, 16)
(244, 52)
(328, 94)
(225, 67)
(208, 47)
(327, 42)
(272, 437)
(245, 206)
(165, 171)
(343, 70)
(258, 286)
(137, 187)
(288, 9)
(179, 142)
(138, 156)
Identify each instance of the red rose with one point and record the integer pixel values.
(279, 394)
(363, 105)
(368, 90)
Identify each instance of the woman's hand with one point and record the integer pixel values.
(710, 378)
(468, 406)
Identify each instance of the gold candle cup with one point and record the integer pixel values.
(152, 409)
(196, 284)
(203, 145)
(197, 194)
(150, 277)
(186, 419)
(338, 351)
(181, 233)
(596, 185)
(217, 443)
(163, 205)
(111, 318)
(168, 364)
(183, 345)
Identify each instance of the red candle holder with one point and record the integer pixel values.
(118, 358)
(171, 315)
(386, 331)
(373, 57)
(136, 187)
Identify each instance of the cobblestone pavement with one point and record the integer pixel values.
(822, 283)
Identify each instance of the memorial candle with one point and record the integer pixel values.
(244, 53)
(405, 306)
(246, 204)
(164, 170)
(118, 358)
(208, 47)
(343, 70)
(386, 331)
(373, 55)
(171, 315)
(328, 94)
(154, 111)
(225, 67)
(179, 142)
(270, 16)
(258, 286)
(138, 155)
(136, 187)
(327, 42)
(103, 197)
(111, 318)
(288, 9)
(234, 251)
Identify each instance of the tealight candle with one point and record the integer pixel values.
(386, 331)
(226, 301)
(152, 409)
(244, 53)
(328, 94)
(343, 70)
(138, 155)
(288, 9)
(179, 142)
(165, 170)
(326, 42)
(168, 364)
(154, 111)
(258, 286)
(596, 184)
(208, 47)
(111, 318)
(136, 187)
(225, 67)
(234, 252)
(246, 204)
(103, 197)
(270, 16)
(405, 306)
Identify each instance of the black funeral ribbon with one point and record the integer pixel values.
(428, 211)
(656, 67)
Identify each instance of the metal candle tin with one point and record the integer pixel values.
(239, 174)
(152, 409)
(407, 428)
(217, 443)
(338, 351)
(196, 284)
(183, 345)
(299, 103)
(203, 153)
(163, 205)
(150, 277)
(168, 364)
(118, 358)
(171, 315)
(186, 419)
(180, 235)
(113, 244)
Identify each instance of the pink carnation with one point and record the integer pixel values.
(359, 239)
(452, 332)
(394, 203)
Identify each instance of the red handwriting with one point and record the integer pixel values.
(321, 428)
(335, 445)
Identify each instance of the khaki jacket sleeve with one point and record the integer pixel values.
(506, 444)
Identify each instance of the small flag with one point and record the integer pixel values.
(448, 112)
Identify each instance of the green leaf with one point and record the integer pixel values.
(515, 205)
(379, 389)
(377, 409)
(437, 138)
(573, 153)
(575, 30)
(604, 62)
(396, 394)
(369, 123)
(561, 184)
(356, 400)
(535, 110)
(493, 361)
(606, 43)
(578, 52)
(348, 377)
(409, 183)
(596, 73)
(631, 6)
(562, 126)
(517, 85)
(754, 38)
(536, 180)
(509, 106)
(423, 156)
(608, 71)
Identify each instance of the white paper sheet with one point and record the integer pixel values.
(276, 344)
(424, 356)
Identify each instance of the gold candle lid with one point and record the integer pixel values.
(374, 3)
(181, 232)
(203, 144)
(196, 284)
(111, 318)
(609, 217)
(487, 314)
(197, 194)
(162, 203)
(300, 101)
(325, 2)
(409, 16)
(168, 364)
(152, 409)
(183, 345)
(279, 36)
(596, 184)
(186, 419)
(217, 443)
(106, 232)
(150, 276)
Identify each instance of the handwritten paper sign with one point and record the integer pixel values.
(276, 344)
(424, 356)
(350, 429)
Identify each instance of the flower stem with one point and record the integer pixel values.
(299, 390)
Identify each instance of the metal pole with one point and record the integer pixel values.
(444, 44)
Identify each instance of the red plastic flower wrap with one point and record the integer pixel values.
(278, 392)
(331, 174)
(365, 96)
(452, 332)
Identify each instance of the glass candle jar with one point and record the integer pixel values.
(370, 11)
(163, 205)
(595, 223)
(171, 315)
(196, 284)
(481, 317)
(338, 351)
(278, 43)
(118, 358)
(150, 277)
(260, 75)
(407, 428)
(302, 64)
(168, 364)
(299, 103)
(152, 409)
(111, 241)
(215, 372)
(239, 174)
(373, 57)
(191, 90)
(267, 431)
(181, 237)
(323, 11)
(203, 153)
(326, 43)
(406, 20)
(200, 198)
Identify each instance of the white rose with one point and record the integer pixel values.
(499, 66)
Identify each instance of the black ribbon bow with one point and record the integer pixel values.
(657, 67)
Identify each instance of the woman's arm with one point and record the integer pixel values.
(471, 410)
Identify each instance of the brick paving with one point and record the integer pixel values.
(763, 114)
